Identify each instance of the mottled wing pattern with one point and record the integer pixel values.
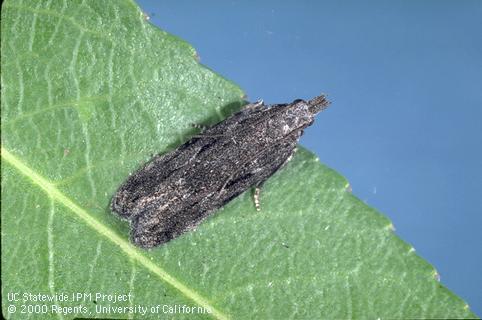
(174, 192)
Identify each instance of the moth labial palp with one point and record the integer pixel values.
(176, 191)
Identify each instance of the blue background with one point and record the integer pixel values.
(405, 124)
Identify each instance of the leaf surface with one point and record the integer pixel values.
(90, 92)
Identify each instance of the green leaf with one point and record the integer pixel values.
(90, 90)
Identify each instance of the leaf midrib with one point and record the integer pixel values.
(54, 193)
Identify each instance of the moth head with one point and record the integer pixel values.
(296, 116)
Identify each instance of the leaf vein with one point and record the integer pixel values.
(131, 251)
(63, 17)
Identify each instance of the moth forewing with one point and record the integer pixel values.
(175, 192)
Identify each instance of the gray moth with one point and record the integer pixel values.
(176, 191)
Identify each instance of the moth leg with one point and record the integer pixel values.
(256, 196)
(257, 191)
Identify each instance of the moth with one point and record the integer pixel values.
(176, 191)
